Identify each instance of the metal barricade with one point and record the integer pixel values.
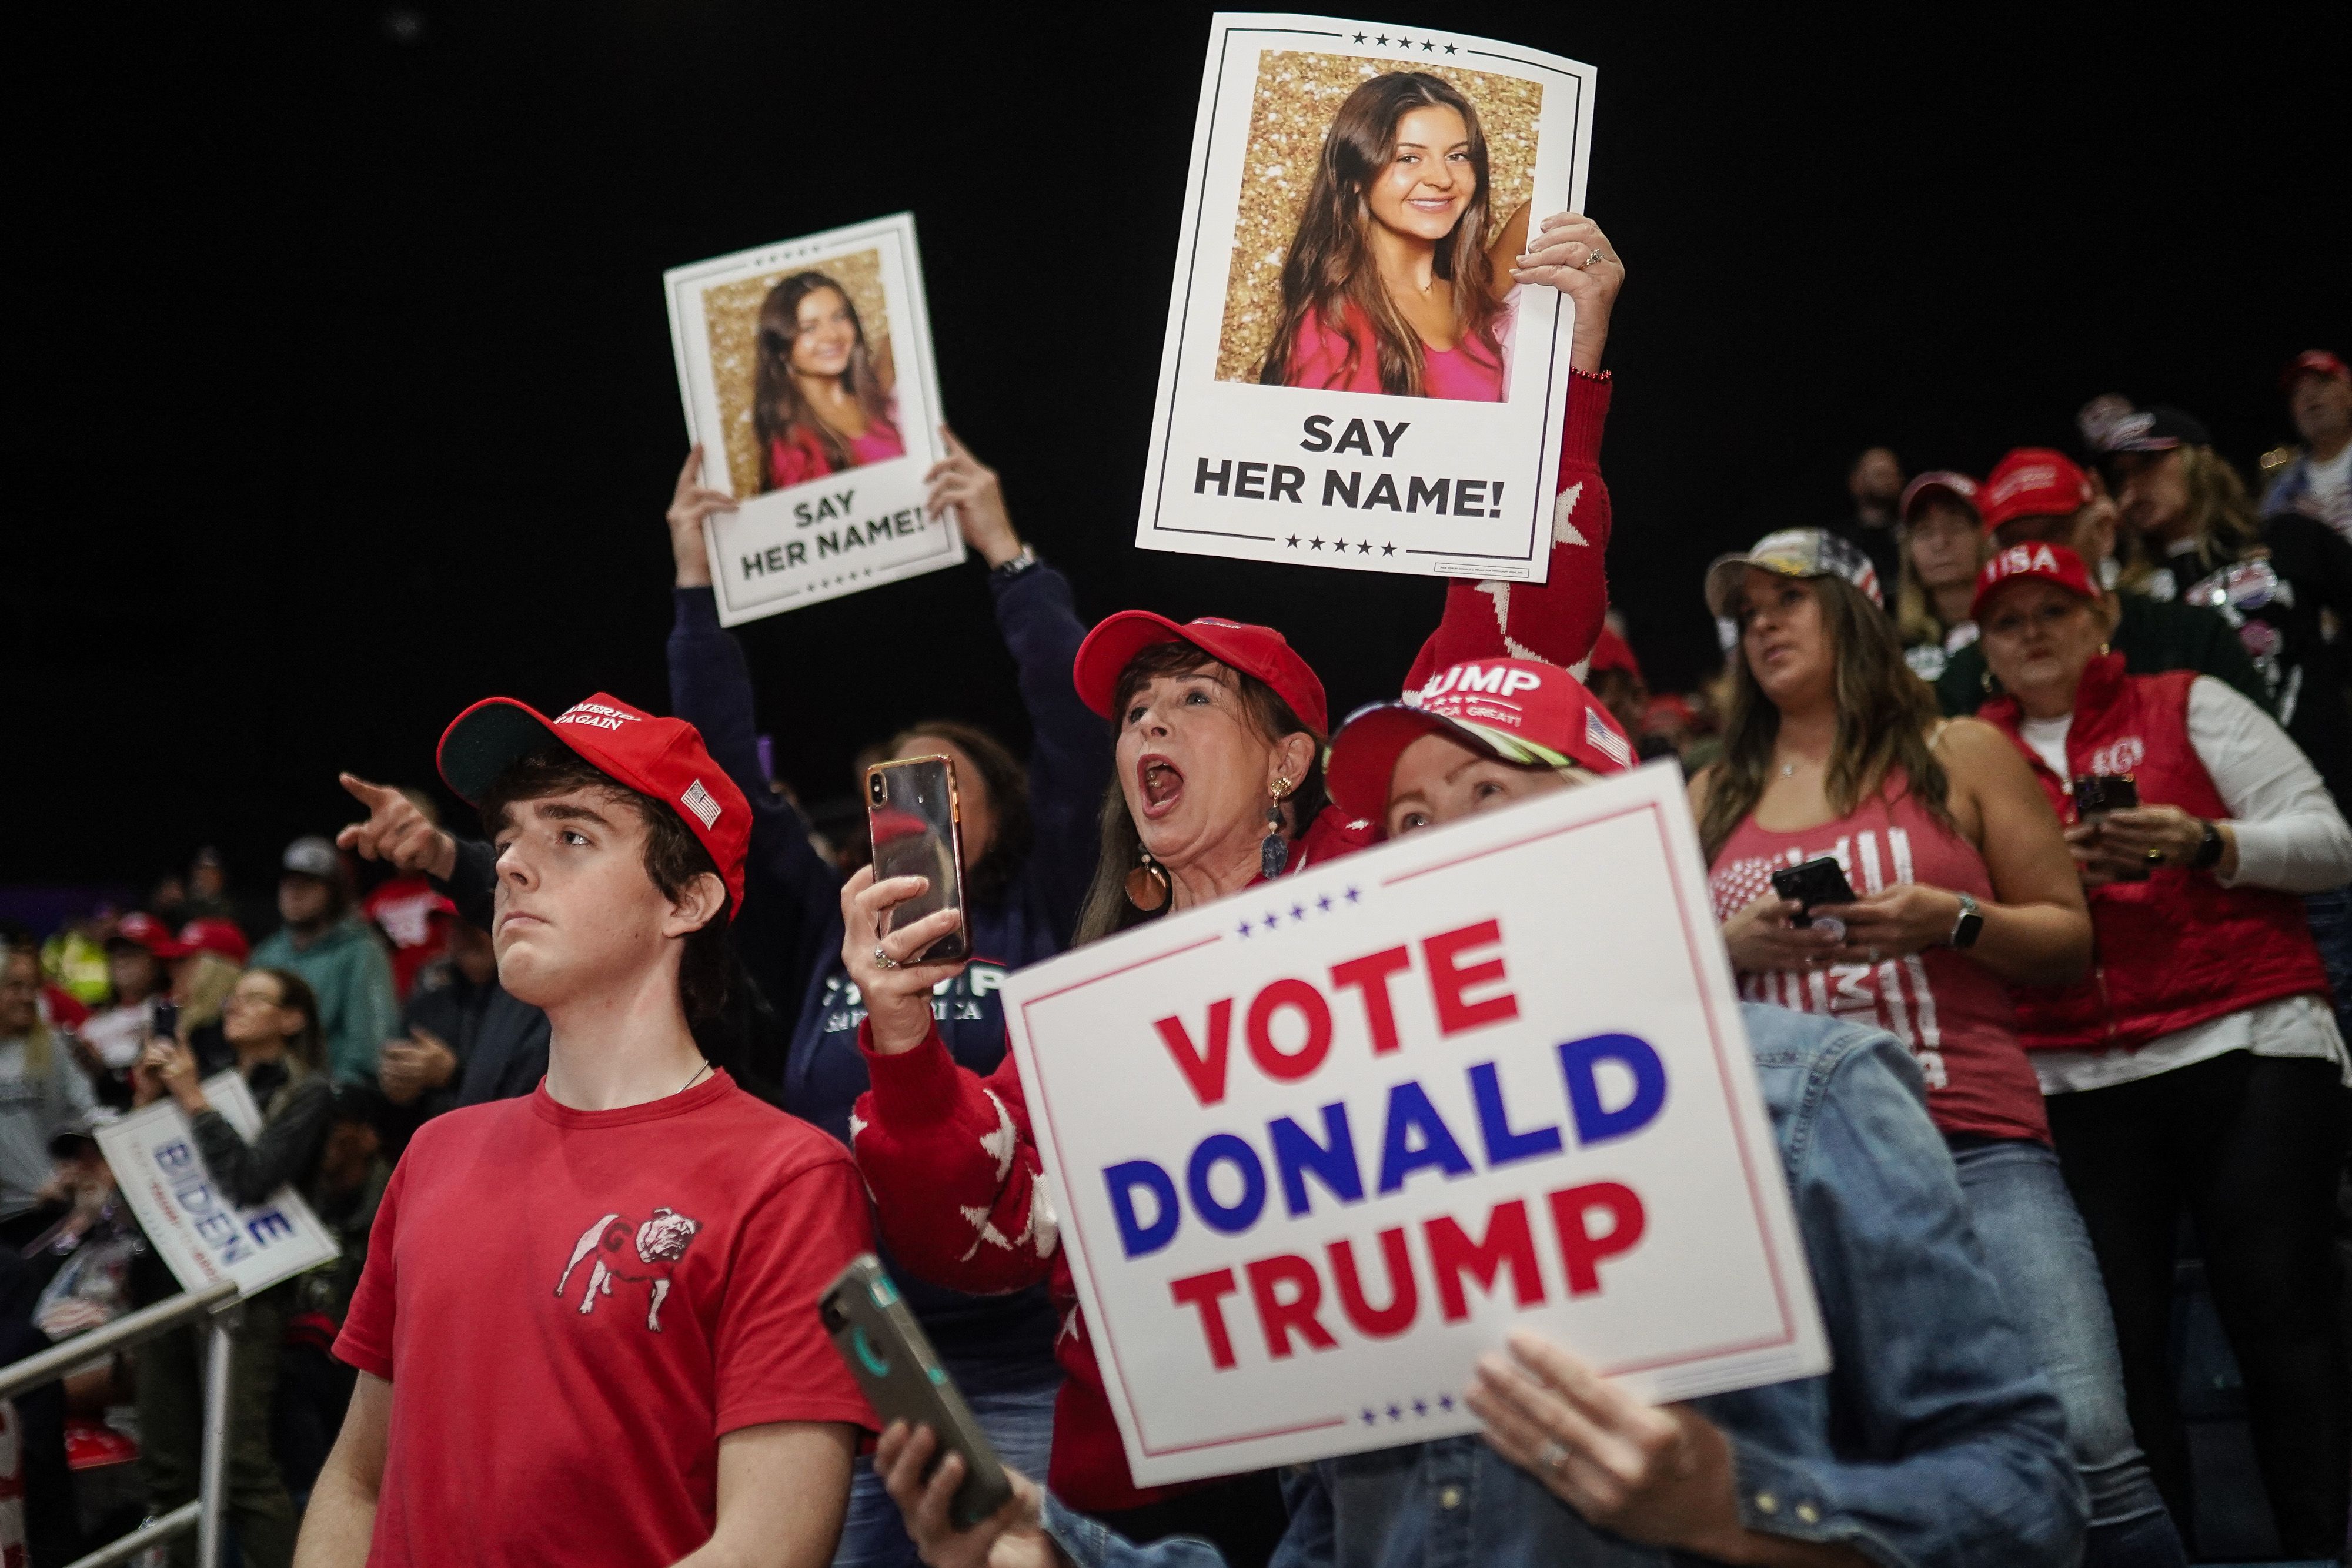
(122, 1334)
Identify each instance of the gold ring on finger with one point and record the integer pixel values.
(884, 960)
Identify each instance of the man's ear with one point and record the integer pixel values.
(698, 904)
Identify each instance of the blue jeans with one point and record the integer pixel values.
(1018, 1421)
(2040, 1254)
(2330, 915)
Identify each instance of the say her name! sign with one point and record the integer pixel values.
(1270, 439)
(807, 373)
(194, 1229)
(1317, 1146)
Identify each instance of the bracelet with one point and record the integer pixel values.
(1019, 566)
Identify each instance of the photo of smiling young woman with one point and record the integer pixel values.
(821, 394)
(1398, 278)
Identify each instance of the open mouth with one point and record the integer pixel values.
(1160, 783)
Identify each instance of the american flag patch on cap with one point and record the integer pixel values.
(698, 800)
(1605, 740)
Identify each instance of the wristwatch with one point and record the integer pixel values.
(2209, 850)
(1020, 564)
(1969, 925)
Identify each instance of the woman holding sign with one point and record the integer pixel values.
(1398, 278)
(1218, 786)
(1947, 882)
(820, 395)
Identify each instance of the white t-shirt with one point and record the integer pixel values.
(2290, 837)
(2331, 484)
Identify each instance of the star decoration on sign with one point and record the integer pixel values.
(1324, 904)
(1426, 47)
(1395, 1414)
(1365, 548)
(1246, 929)
(1421, 1407)
(1314, 544)
(1353, 895)
(1388, 549)
(1383, 39)
(1449, 48)
(1339, 545)
(1405, 43)
(1292, 542)
(1360, 38)
(1371, 1419)
(1445, 1402)
(1272, 921)
(1298, 911)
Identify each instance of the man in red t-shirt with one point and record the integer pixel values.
(587, 1329)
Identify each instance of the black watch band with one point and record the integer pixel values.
(1969, 925)
(1025, 562)
(2208, 850)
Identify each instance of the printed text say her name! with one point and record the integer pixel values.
(1254, 481)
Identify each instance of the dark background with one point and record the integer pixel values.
(345, 393)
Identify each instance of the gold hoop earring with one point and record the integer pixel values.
(1147, 885)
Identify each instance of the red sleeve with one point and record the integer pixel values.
(365, 1341)
(1556, 621)
(773, 1359)
(954, 1169)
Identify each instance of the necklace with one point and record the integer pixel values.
(698, 1075)
(1789, 769)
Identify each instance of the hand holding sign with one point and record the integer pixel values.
(689, 505)
(961, 481)
(396, 831)
(1570, 253)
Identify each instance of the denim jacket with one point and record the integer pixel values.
(1933, 1440)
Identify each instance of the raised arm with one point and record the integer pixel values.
(789, 889)
(1555, 621)
(958, 1185)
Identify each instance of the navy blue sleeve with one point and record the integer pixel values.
(1070, 747)
(472, 883)
(791, 921)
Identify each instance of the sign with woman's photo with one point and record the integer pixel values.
(807, 373)
(1351, 375)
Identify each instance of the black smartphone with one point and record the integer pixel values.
(893, 1362)
(2097, 792)
(164, 1021)
(1819, 881)
(916, 825)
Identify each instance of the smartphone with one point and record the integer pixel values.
(903, 1380)
(165, 1020)
(917, 827)
(2097, 792)
(1819, 881)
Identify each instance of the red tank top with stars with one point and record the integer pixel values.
(1951, 1011)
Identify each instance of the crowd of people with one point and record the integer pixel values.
(598, 1101)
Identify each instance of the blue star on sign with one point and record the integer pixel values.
(1324, 904)
(1246, 929)
(1395, 1414)
(1421, 1406)
(1445, 1402)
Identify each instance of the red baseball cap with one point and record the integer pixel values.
(141, 929)
(1516, 710)
(1260, 650)
(662, 758)
(1611, 651)
(2033, 482)
(1948, 482)
(2048, 563)
(2313, 362)
(213, 935)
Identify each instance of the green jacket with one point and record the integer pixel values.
(2152, 636)
(358, 1007)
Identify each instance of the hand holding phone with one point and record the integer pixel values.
(894, 1364)
(1819, 881)
(916, 822)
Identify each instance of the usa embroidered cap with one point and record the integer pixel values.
(2033, 482)
(1793, 552)
(1260, 650)
(2045, 563)
(661, 757)
(1944, 481)
(1516, 710)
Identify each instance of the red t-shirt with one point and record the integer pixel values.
(573, 1306)
(404, 907)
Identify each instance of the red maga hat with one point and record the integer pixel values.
(662, 758)
(2049, 563)
(213, 935)
(141, 929)
(2033, 482)
(1611, 651)
(1516, 710)
(2313, 362)
(1259, 650)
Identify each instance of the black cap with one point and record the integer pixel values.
(2158, 429)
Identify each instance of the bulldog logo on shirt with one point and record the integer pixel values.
(647, 1252)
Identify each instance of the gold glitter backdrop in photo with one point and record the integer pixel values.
(730, 314)
(1298, 94)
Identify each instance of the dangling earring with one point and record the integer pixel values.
(1274, 850)
(1147, 885)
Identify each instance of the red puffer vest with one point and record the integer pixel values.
(2179, 948)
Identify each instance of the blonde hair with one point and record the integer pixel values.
(209, 979)
(2220, 517)
(1915, 613)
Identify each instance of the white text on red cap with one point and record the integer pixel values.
(1498, 681)
(596, 715)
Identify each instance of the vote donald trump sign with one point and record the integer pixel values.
(1316, 1147)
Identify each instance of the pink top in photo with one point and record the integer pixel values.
(803, 458)
(1464, 373)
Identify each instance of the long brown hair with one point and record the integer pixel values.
(306, 1046)
(1106, 909)
(2220, 515)
(1884, 712)
(1330, 265)
(779, 412)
